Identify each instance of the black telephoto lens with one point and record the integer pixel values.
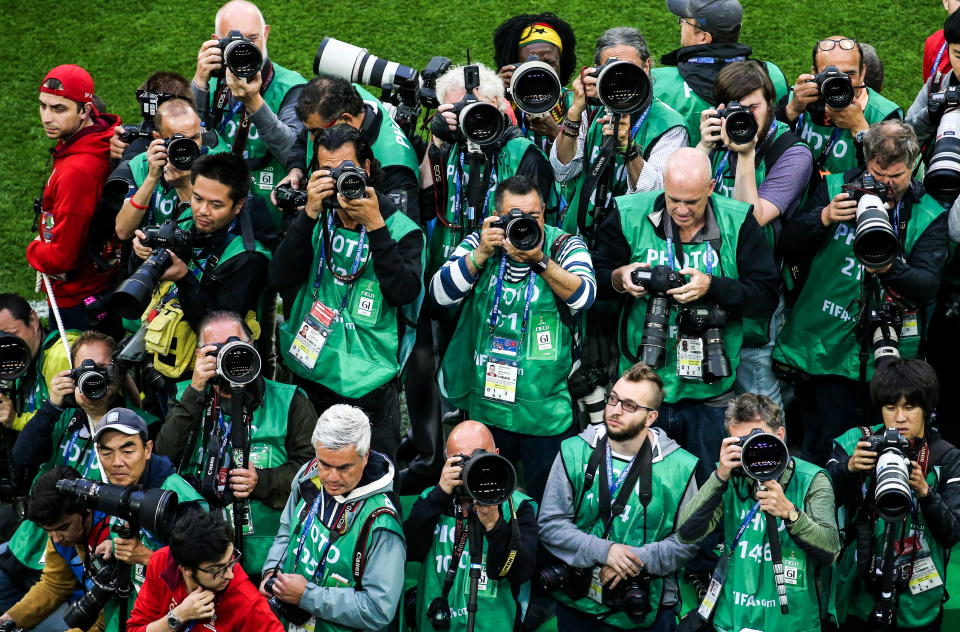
(15, 357)
(181, 152)
(653, 341)
(741, 125)
(133, 295)
(240, 55)
(716, 364)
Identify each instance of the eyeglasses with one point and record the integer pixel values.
(628, 406)
(829, 44)
(217, 571)
(683, 20)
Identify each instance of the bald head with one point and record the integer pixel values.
(687, 165)
(243, 16)
(687, 185)
(468, 436)
(176, 115)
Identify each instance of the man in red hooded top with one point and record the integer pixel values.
(81, 163)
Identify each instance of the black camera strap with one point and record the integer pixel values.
(242, 419)
(594, 182)
(599, 450)
(640, 470)
(360, 552)
(461, 531)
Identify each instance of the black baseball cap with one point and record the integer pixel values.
(713, 16)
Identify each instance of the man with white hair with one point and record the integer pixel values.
(717, 254)
(338, 559)
(256, 115)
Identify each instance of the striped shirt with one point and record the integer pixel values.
(453, 282)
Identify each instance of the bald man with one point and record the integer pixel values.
(256, 115)
(438, 527)
(156, 188)
(717, 247)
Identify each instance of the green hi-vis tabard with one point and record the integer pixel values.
(73, 447)
(834, 150)
(510, 356)
(682, 370)
(268, 449)
(459, 220)
(164, 201)
(635, 526)
(341, 333)
(329, 562)
(919, 556)
(138, 572)
(649, 125)
(749, 599)
(819, 337)
(266, 170)
(495, 602)
(670, 87)
(756, 331)
(30, 390)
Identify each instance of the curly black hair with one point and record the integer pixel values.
(46, 506)
(507, 37)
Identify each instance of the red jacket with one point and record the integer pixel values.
(81, 165)
(930, 50)
(239, 608)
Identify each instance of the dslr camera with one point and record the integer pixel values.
(572, 580)
(622, 87)
(883, 328)
(891, 495)
(522, 229)
(294, 614)
(479, 122)
(705, 322)
(349, 180)
(741, 125)
(106, 584)
(656, 281)
(875, 243)
(92, 380)
(836, 89)
(181, 151)
(289, 199)
(148, 101)
(763, 456)
(631, 597)
(238, 362)
(942, 180)
(486, 478)
(240, 55)
(132, 296)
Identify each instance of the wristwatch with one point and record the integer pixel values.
(173, 621)
(541, 266)
(858, 137)
(793, 516)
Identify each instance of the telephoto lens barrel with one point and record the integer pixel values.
(238, 362)
(763, 456)
(875, 243)
(133, 295)
(488, 478)
(15, 357)
(741, 125)
(623, 87)
(356, 65)
(942, 180)
(241, 56)
(892, 496)
(482, 123)
(535, 87)
(153, 509)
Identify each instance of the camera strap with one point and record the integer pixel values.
(640, 469)
(498, 295)
(595, 175)
(462, 531)
(360, 554)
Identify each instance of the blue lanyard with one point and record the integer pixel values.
(936, 62)
(636, 126)
(356, 259)
(718, 176)
(458, 190)
(896, 218)
(498, 293)
(714, 60)
(709, 256)
(614, 485)
(743, 526)
(233, 112)
(311, 516)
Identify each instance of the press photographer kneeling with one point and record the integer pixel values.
(900, 485)
(474, 515)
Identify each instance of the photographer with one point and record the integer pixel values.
(709, 40)
(457, 161)
(835, 134)
(646, 137)
(327, 101)
(824, 337)
(507, 365)
(257, 115)
(905, 392)
(158, 87)
(66, 525)
(706, 262)
(126, 457)
(337, 561)
(918, 116)
(227, 229)
(157, 188)
(936, 60)
(356, 264)
(69, 198)
(281, 419)
(60, 433)
(632, 543)
(552, 41)
(196, 579)
(438, 527)
(799, 510)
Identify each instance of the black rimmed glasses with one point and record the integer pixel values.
(628, 405)
(218, 570)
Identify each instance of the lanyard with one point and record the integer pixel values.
(718, 175)
(743, 527)
(709, 257)
(714, 60)
(458, 192)
(896, 218)
(498, 293)
(328, 232)
(339, 527)
(936, 62)
(233, 112)
(636, 126)
(613, 485)
(307, 523)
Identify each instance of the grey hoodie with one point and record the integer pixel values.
(562, 538)
(374, 607)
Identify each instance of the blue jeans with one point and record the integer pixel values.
(755, 373)
(536, 453)
(572, 620)
(698, 429)
(13, 586)
(54, 621)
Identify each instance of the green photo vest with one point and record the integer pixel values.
(338, 571)
(843, 153)
(819, 335)
(267, 450)
(51, 359)
(541, 404)
(634, 526)
(670, 87)
(495, 603)
(648, 247)
(364, 349)
(266, 170)
(749, 597)
(851, 594)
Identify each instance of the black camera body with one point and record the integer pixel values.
(892, 495)
(705, 321)
(132, 296)
(695, 320)
(486, 478)
(622, 87)
(289, 199)
(240, 55)
(866, 184)
(348, 180)
(836, 88)
(92, 380)
(522, 229)
(478, 122)
(572, 580)
(169, 235)
(740, 124)
(131, 133)
(631, 597)
(890, 439)
(875, 242)
(653, 341)
(294, 614)
(106, 584)
(181, 151)
(941, 102)
(657, 280)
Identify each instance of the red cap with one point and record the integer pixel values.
(75, 83)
